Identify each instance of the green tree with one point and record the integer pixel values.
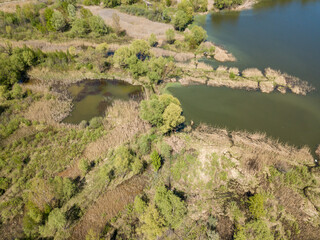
(58, 21)
(157, 69)
(97, 25)
(256, 205)
(111, 3)
(84, 166)
(155, 160)
(56, 222)
(48, 12)
(140, 48)
(72, 12)
(121, 56)
(171, 207)
(153, 40)
(170, 36)
(181, 20)
(172, 117)
(153, 224)
(196, 36)
(16, 91)
(139, 205)
(254, 230)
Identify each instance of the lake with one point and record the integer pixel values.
(283, 35)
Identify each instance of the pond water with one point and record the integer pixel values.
(283, 35)
(92, 97)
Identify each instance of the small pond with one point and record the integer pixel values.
(92, 97)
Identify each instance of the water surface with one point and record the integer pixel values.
(283, 35)
(92, 97)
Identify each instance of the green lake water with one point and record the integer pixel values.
(92, 97)
(283, 35)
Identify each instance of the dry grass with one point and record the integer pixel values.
(107, 206)
(10, 6)
(122, 123)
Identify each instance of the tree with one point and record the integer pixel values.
(58, 21)
(97, 25)
(172, 117)
(121, 56)
(111, 3)
(71, 12)
(256, 205)
(139, 205)
(256, 229)
(181, 20)
(16, 91)
(84, 166)
(140, 48)
(171, 207)
(153, 40)
(155, 111)
(157, 69)
(170, 36)
(155, 160)
(221, 4)
(196, 36)
(56, 222)
(153, 224)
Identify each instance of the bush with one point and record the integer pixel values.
(222, 4)
(254, 230)
(84, 166)
(56, 222)
(80, 28)
(139, 205)
(196, 36)
(170, 36)
(58, 21)
(111, 3)
(256, 205)
(153, 40)
(16, 91)
(181, 20)
(171, 207)
(95, 122)
(155, 160)
(97, 25)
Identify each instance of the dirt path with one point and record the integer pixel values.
(107, 206)
(136, 27)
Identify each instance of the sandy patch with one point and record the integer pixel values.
(136, 27)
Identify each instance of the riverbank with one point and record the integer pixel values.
(250, 79)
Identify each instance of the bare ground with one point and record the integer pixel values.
(136, 27)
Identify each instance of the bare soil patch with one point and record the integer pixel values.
(136, 27)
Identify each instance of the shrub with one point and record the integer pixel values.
(16, 91)
(172, 117)
(221, 4)
(139, 205)
(95, 122)
(80, 28)
(196, 36)
(137, 165)
(56, 222)
(256, 205)
(97, 25)
(58, 21)
(170, 36)
(84, 166)
(254, 230)
(144, 144)
(181, 20)
(155, 160)
(153, 40)
(111, 3)
(171, 207)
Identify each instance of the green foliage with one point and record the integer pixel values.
(154, 14)
(153, 224)
(139, 205)
(4, 183)
(172, 117)
(111, 3)
(122, 158)
(254, 230)
(95, 122)
(72, 12)
(222, 4)
(155, 160)
(144, 144)
(16, 91)
(155, 111)
(157, 69)
(171, 207)
(80, 27)
(196, 36)
(58, 21)
(181, 20)
(84, 166)
(56, 222)
(256, 205)
(64, 188)
(97, 25)
(121, 56)
(170, 36)
(152, 40)
(137, 165)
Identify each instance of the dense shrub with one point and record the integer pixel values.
(221, 4)
(155, 160)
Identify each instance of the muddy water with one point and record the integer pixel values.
(92, 97)
(284, 35)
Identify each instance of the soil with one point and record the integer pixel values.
(136, 27)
